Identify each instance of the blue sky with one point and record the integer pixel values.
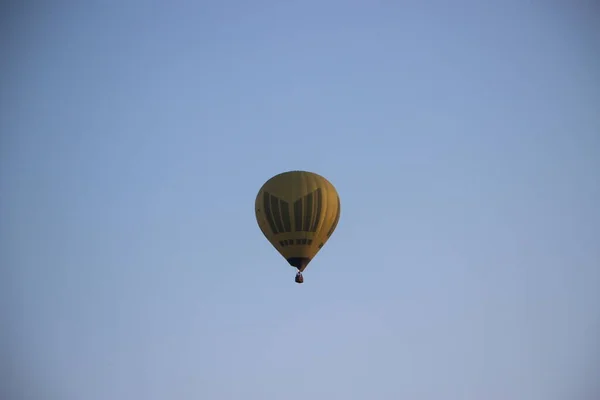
(463, 140)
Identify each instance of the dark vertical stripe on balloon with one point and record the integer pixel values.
(276, 213)
(268, 214)
(308, 211)
(318, 208)
(337, 218)
(285, 215)
(298, 214)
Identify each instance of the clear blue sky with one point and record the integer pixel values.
(464, 140)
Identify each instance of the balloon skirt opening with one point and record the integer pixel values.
(299, 262)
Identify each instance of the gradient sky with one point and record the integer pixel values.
(464, 141)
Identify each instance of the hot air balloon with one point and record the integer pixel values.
(297, 211)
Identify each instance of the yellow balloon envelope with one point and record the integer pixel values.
(297, 211)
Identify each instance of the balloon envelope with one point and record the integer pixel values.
(297, 211)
